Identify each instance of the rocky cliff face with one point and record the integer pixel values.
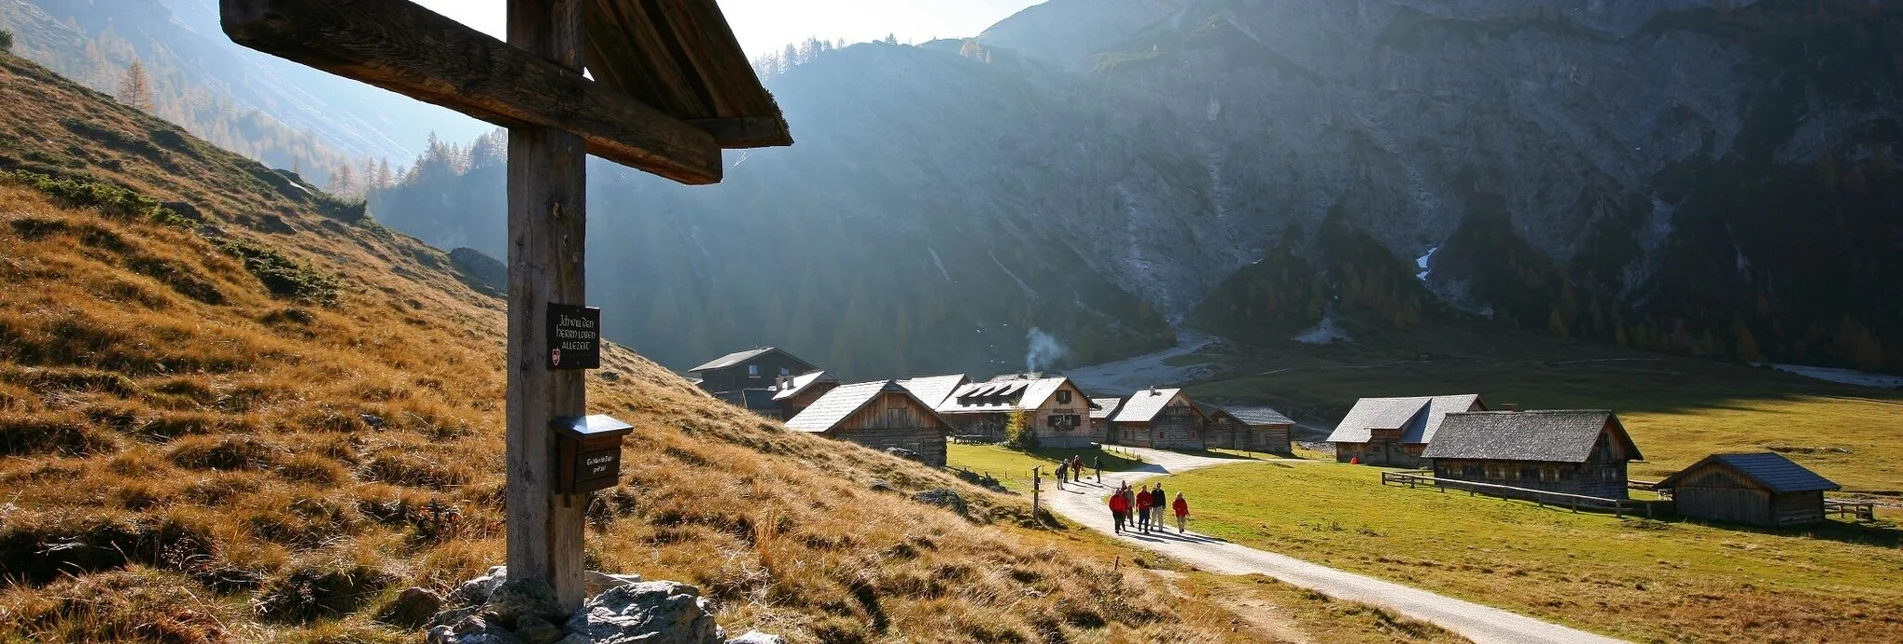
(1647, 172)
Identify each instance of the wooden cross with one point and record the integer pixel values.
(670, 88)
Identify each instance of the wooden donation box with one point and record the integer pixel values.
(588, 453)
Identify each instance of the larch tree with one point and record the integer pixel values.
(136, 90)
(343, 182)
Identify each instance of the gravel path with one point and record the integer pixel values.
(1484, 625)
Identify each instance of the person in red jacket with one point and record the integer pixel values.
(1182, 511)
(1119, 510)
(1143, 509)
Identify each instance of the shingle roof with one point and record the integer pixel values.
(1257, 416)
(1418, 418)
(1771, 470)
(842, 402)
(1001, 395)
(1142, 406)
(933, 390)
(1104, 407)
(738, 357)
(1558, 436)
(800, 383)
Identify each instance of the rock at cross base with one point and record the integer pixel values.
(473, 629)
(597, 582)
(535, 630)
(757, 637)
(654, 612)
(943, 497)
(412, 608)
(475, 592)
(516, 598)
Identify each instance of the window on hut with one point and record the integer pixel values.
(1063, 396)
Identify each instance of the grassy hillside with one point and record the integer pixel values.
(1658, 581)
(232, 410)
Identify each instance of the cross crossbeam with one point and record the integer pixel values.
(405, 48)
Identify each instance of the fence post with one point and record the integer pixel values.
(1037, 481)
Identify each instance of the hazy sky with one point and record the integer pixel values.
(767, 25)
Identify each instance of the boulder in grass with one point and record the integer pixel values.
(654, 612)
(945, 498)
(412, 608)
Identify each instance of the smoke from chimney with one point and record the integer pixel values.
(1043, 350)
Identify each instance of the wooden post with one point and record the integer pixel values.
(547, 230)
(1036, 483)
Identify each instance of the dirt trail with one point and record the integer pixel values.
(1484, 625)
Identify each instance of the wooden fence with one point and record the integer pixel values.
(1863, 510)
(1618, 507)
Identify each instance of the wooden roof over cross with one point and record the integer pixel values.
(670, 84)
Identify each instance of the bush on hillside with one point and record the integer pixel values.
(111, 200)
(6, 40)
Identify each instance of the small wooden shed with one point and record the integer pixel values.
(879, 415)
(1754, 489)
(1158, 418)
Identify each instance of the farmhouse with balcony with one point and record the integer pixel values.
(881, 415)
(1753, 489)
(1581, 452)
(1053, 408)
(1159, 418)
(1393, 432)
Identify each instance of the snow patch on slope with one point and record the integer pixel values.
(1843, 376)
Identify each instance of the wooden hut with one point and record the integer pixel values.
(1221, 429)
(880, 415)
(1574, 451)
(1051, 407)
(1159, 418)
(1754, 489)
(1268, 430)
(1393, 432)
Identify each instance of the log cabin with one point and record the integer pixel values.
(1393, 432)
(1221, 430)
(1753, 489)
(1159, 418)
(1267, 430)
(881, 415)
(756, 368)
(1053, 408)
(1581, 452)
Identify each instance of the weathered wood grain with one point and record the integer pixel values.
(405, 48)
(677, 55)
(547, 236)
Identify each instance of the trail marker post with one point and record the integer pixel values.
(668, 88)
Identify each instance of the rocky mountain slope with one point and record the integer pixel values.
(233, 409)
(1680, 176)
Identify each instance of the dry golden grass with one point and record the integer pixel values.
(187, 457)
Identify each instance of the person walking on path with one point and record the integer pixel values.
(1119, 510)
(1077, 467)
(1061, 470)
(1143, 510)
(1159, 503)
(1181, 506)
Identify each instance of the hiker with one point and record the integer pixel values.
(1181, 506)
(1077, 466)
(1119, 510)
(1061, 467)
(1159, 503)
(1143, 510)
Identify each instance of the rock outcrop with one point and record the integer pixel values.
(493, 609)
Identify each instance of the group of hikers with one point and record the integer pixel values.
(1148, 506)
(1070, 470)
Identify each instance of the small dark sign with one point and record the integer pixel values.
(597, 469)
(574, 337)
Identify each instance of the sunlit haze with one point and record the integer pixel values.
(766, 25)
